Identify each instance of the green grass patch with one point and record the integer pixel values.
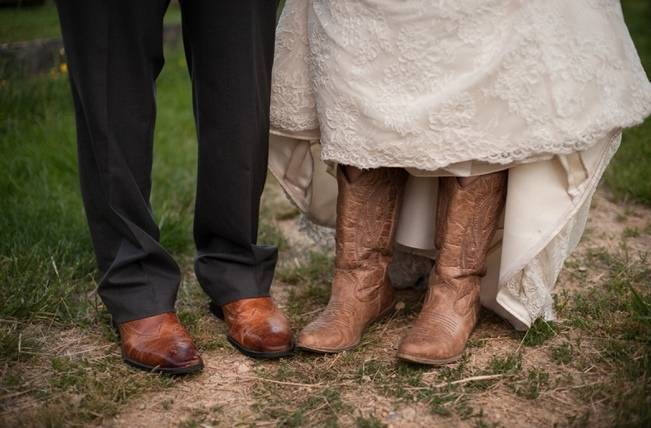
(370, 422)
(536, 381)
(539, 332)
(629, 174)
(47, 264)
(15, 344)
(312, 279)
(509, 364)
(562, 354)
(22, 23)
(615, 316)
(46, 259)
(98, 388)
(620, 304)
(318, 408)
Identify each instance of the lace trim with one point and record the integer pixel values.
(434, 156)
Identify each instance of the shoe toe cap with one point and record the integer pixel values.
(324, 339)
(427, 350)
(182, 354)
(272, 335)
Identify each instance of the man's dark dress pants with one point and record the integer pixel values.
(114, 51)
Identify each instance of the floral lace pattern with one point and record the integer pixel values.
(425, 84)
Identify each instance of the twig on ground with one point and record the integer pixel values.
(334, 360)
(307, 385)
(458, 382)
(16, 394)
(333, 409)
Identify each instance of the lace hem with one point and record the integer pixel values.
(531, 286)
(431, 157)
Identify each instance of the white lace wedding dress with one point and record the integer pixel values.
(461, 87)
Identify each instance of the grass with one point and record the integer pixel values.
(596, 356)
(538, 333)
(629, 174)
(59, 363)
(616, 317)
(47, 264)
(21, 23)
(47, 270)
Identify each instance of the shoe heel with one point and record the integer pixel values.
(216, 310)
(115, 327)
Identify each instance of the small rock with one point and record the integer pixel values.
(75, 400)
(409, 413)
(242, 368)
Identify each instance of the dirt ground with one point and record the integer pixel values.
(226, 388)
(560, 374)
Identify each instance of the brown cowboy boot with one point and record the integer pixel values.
(467, 217)
(256, 327)
(159, 344)
(367, 209)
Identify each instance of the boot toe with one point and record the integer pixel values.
(257, 328)
(159, 343)
(274, 336)
(428, 351)
(182, 355)
(324, 340)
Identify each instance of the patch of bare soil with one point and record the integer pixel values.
(611, 223)
(220, 395)
(46, 344)
(227, 393)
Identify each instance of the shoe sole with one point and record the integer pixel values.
(164, 370)
(218, 313)
(261, 355)
(428, 361)
(326, 350)
(382, 315)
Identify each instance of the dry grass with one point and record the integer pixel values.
(60, 364)
(591, 367)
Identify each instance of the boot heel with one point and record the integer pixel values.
(216, 310)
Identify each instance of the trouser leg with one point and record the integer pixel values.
(229, 48)
(114, 51)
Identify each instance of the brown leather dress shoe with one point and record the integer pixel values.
(468, 213)
(159, 344)
(367, 209)
(256, 327)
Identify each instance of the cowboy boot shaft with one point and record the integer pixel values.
(467, 218)
(367, 210)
